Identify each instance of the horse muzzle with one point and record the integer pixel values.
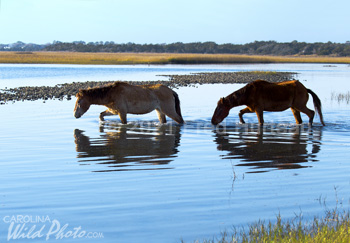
(76, 115)
(214, 121)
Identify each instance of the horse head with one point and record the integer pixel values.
(221, 112)
(81, 105)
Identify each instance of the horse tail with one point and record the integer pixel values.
(317, 104)
(177, 105)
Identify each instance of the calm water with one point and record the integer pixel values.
(81, 180)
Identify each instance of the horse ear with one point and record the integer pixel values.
(79, 94)
(222, 100)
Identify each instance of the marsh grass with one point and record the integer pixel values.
(341, 97)
(334, 227)
(155, 58)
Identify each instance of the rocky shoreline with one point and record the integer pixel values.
(68, 90)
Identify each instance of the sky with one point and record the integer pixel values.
(169, 21)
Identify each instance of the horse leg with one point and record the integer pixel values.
(171, 112)
(161, 116)
(106, 113)
(297, 116)
(243, 111)
(308, 112)
(260, 115)
(122, 116)
(175, 117)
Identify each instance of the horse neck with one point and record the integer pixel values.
(96, 98)
(237, 98)
(99, 101)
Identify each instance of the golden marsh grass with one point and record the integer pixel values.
(156, 58)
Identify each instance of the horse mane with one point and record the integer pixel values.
(239, 97)
(236, 96)
(99, 92)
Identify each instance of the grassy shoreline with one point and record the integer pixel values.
(100, 58)
(333, 227)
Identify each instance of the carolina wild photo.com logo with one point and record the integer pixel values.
(43, 227)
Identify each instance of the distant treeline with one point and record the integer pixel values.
(253, 48)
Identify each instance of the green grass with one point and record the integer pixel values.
(332, 228)
(156, 58)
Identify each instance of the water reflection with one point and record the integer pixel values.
(270, 147)
(132, 147)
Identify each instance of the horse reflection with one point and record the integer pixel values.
(123, 148)
(265, 151)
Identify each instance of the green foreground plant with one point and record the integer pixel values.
(334, 226)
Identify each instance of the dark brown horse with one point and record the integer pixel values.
(121, 98)
(261, 96)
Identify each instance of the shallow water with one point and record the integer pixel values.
(164, 183)
(15, 75)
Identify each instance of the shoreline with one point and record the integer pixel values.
(67, 90)
(124, 58)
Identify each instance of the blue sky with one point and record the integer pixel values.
(168, 21)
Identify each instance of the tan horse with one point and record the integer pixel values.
(121, 98)
(261, 96)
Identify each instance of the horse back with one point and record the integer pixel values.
(140, 99)
(275, 96)
(280, 89)
(161, 91)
